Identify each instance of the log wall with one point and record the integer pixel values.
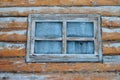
(13, 28)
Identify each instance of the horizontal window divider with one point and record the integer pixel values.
(79, 39)
(49, 39)
(66, 55)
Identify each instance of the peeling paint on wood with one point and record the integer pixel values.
(13, 23)
(11, 45)
(111, 48)
(24, 11)
(19, 65)
(12, 49)
(13, 36)
(13, 32)
(57, 76)
(111, 22)
(111, 34)
(117, 30)
(21, 22)
(18, 35)
(112, 59)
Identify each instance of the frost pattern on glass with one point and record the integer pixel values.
(80, 29)
(48, 29)
(48, 47)
(80, 47)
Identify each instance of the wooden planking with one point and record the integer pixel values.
(20, 35)
(8, 3)
(13, 23)
(13, 35)
(24, 11)
(19, 49)
(111, 34)
(21, 22)
(111, 22)
(111, 49)
(19, 65)
(57, 76)
(12, 49)
(112, 59)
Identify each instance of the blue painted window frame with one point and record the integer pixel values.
(63, 57)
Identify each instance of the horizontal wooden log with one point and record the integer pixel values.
(19, 65)
(111, 34)
(12, 49)
(5, 3)
(111, 48)
(17, 35)
(61, 76)
(20, 35)
(13, 23)
(112, 59)
(111, 22)
(21, 23)
(24, 11)
(19, 49)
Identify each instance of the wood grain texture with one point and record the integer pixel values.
(8, 3)
(12, 49)
(19, 65)
(19, 49)
(21, 22)
(57, 76)
(112, 22)
(13, 35)
(24, 11)
(13, 23)
(111, 34)
(112, 49)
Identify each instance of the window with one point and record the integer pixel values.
(64, 38)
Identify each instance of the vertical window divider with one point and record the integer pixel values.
(32, 37)
(95, 38)
(64, 42)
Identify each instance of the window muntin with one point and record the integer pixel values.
(64, 38)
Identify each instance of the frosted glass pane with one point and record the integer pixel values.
(48, 47)
(48, 29)
(80, 47)
(80, 29)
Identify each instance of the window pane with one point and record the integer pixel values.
(48, 29)
(48, 47)
(80, 29)
(80, 47)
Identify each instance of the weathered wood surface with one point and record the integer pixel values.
(112, 59)
(24, 11)
(20, 35)
(8, 3)
(111, 48)
(112, 22)
(21, 22)
(13, 23)
(12, 49)
(111, 34)
(19, 65)
(13, 35)
(18, 49)
(61, 76)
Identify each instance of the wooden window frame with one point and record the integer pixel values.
(64, 18)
